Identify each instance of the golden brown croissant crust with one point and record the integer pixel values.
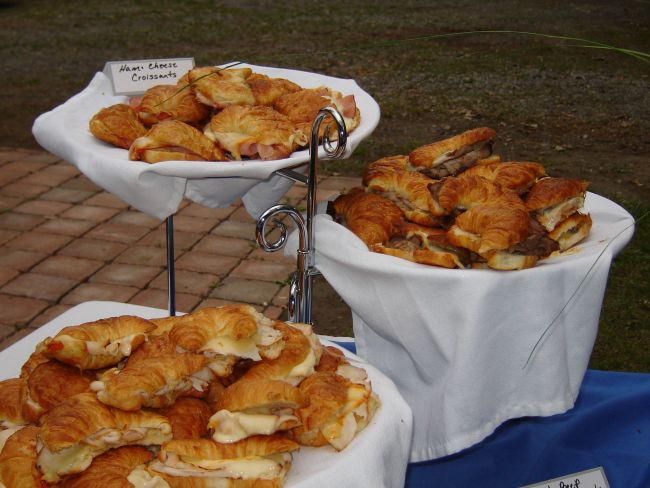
(110, 469)
(259, 445)
(172, 140)
(453, 155)
(12, 395)
(514, 176)
(117, 125)
(461, 193)
(371, 217)
(18, 460)
(267, 90)
(220, 88)
(548, 192)
(571, 230)
(259, 394)
(188, 417)
(163, 102)
(98, 344)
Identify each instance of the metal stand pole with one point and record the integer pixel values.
(171, 282)
(300, 300)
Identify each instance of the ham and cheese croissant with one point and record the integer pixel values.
(152, 382)
(409, 190)
(254, 132)
(371, 217)
(451, 156)
(81, 428)
(424, 245)
(336, 409)
(552, 200)
(236, 331)
(18, 460)
(110, 469)
(172, 140)
(177, 102)
(301, 108)
(98, 344)
(118, 125)
(299, 356)
(252, 407)
(267, 90)
(219, 88)
(264, 458)
(508, 238)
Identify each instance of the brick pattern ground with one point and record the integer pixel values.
(64, 241)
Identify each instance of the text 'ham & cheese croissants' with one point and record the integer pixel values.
(215, 114)
(219, 397)
(455, 204)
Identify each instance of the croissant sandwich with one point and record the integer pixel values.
(514, 176)
(571, 230)
(424, 245)
(254, 407)
(172, 140)
(177, 102)
(153, 382)
(188, 417)
(18, 460)
(219, 88)
(336, 410)
(98, 344)
(552, 200)
(506, 237)
(254, 458)
(81, 428)
(117, 125)
(267, 90)
(451, 156)
(371, 217)
(12, 397)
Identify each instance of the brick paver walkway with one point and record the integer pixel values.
(64, 240)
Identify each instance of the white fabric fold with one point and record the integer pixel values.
(157, 189)
(457, 342)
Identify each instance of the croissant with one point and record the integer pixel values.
(188, 417)
(117, 125)
(110, 469)
(151, 382)
(303, 106)
(267, 90)
(513, 176)
(408, 189)
(172, 140)
(251, 407)
(371, 217)
(177, 102)
(155, 346)
(256, 457)
(18, 460)
(460, 193)
(233, 330)
(571, 230)
(98, 344)
(426, 246)
(336, 410)
(81, 428)
(551, 200)
(255, 132)
(12, 397)
(37, 357)
(49, 384)
(451, 156)
(219, 88)
(505, 236)
(297, 360)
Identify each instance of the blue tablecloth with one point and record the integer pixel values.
(609, 426)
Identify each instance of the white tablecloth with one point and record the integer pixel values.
(376, 458)
(456, 342)
(157, 189)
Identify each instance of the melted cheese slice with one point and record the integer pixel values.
(340, 432)
(120, 347)
(253, 467)
(234, 426)
(305, 368)
(141, 478)
(244, 348)
(73, 459)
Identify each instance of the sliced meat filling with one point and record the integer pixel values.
(454, 162)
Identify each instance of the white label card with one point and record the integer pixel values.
(591, 478)
(136, 77)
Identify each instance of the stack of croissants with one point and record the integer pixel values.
(220, 397)
(217, 114)
(455, 204)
